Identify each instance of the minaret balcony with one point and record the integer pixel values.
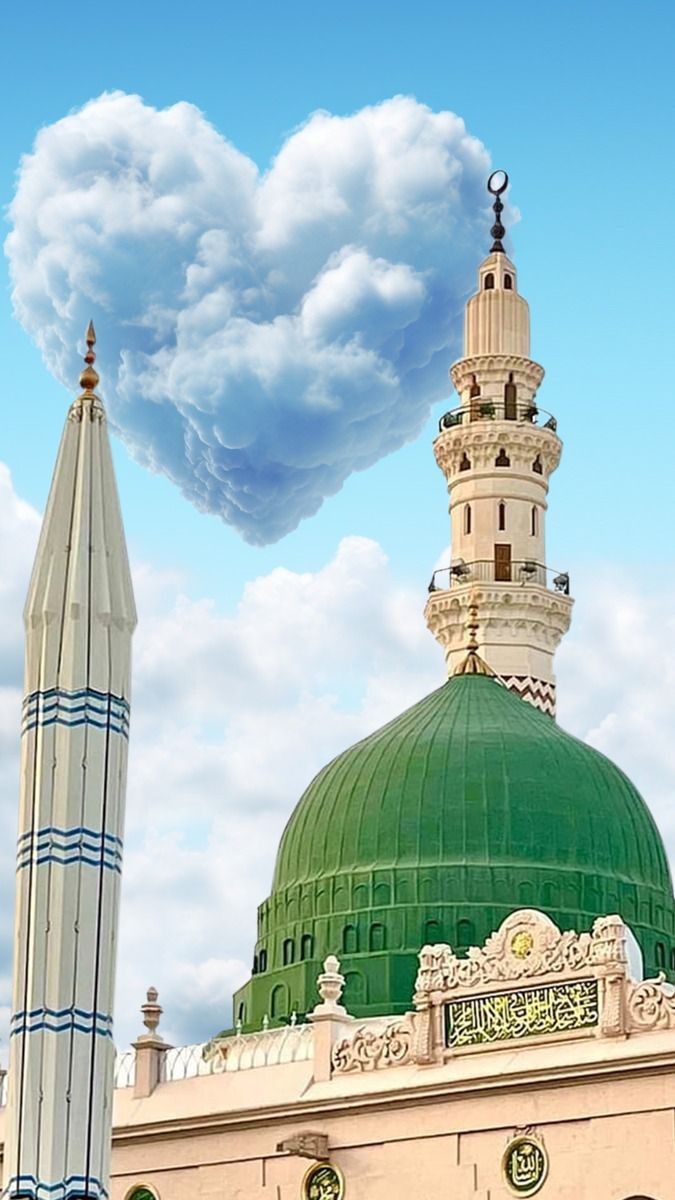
(521, 572)
(484, 409)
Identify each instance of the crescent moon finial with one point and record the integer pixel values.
(496, 185)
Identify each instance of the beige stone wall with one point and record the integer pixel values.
(608, 1139)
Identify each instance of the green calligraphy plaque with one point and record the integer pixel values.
(323, 1182)
(523, 1012)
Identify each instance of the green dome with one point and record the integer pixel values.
(467, 806)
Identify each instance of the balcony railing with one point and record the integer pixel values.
(489, 570)
(482, 409)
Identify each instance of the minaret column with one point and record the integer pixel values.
(79, 620)
(497, 451)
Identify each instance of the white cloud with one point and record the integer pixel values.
(234, 713)
(261, 336)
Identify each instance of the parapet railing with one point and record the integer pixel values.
(490, 570)
(240, 1052)
(483, 409)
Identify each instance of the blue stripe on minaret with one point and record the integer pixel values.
(66, 847)
(64, 1189)
(61, 1020)
(86, 706)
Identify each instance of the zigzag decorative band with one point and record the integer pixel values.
(537, 692)
(57, 706)
(68, 846)
(61, 1020)
(65, 1189)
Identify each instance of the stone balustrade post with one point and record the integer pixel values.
(150, 1049)
(327, 1018)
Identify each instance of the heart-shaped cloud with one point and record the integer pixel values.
(260, 336)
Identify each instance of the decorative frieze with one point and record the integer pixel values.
(372, 1046)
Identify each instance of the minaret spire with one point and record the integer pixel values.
(496, 185)
(497, 450)
(79, 619)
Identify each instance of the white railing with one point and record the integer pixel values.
(186, 1062)
(269, 1048)
(125, 1069)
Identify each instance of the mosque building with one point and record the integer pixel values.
(460, 984)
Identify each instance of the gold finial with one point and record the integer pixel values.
(473, 664)
(89, 377)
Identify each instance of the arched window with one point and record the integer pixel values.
(465, 462)
(510, 400)
(289, 952)
(489, 282)
(241, 1013)
(141, 1193)
(466, 934)
(356, 992)
(508, 281)
(378, 938)
(262, 960)
(534, 521)
(537, 467)
(279, 1001)
(432, 932)
(660, 954)
(306, 946)
(501, 515)
(350, 939)
(254, 970)
(467, 518)
(502, 459)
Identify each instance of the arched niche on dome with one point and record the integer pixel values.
(550, 893)
(279, 1001)
(361, 896)
(356, 990)
(350, 940)
(306, 946)
(466, 934)
(341, 898)
(323, 900)
(292, 909)
(382, 893)
(428, 889)
(526, 896)
(433, 933)
(377, 938)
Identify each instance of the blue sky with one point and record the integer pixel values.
(573, 99)
(254, 665)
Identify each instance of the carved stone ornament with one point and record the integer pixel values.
(651, 1005)
(373, 1046)
(526, 946)
(525, 1164)
(323, 1182)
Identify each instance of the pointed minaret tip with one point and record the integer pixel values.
(89, 377)
(496, 185)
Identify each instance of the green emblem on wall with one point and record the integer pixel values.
(323, 1182)
(527, 1012)
(525, 1165)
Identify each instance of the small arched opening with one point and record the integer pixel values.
(288, 952)
(534, 521)
(467, 518)
(508, 282)
(306, 946)
(537, 467)
(378, 938)
(501, 516)
(350, 939)
(502, 459)
(466, 934)
(489, 282)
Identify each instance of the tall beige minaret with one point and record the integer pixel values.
(79, 619)
(497, 451)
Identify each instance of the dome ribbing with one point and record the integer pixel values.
(469, 805)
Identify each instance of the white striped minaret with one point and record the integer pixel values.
(79, 620)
